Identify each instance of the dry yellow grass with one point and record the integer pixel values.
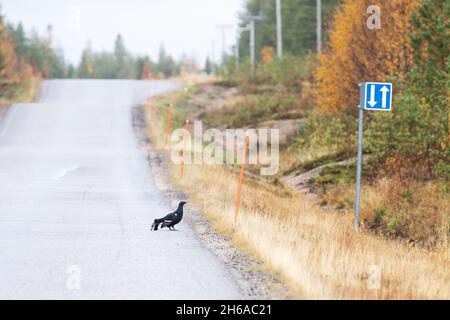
(317, 254)
(291, 157)
(413, 210)
(189, 80)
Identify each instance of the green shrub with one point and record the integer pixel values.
(394, 225)
(378, 215)
(416, 131)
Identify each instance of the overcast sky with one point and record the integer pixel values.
(184, 26)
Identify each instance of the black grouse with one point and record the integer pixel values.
(171, 219)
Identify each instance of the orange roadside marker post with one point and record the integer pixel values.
(169, 123)
(186, 127)
(241, 179)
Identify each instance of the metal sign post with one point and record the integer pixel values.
(372, 96)
(358, 165)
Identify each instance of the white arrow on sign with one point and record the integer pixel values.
(372, 101)
(384, 90)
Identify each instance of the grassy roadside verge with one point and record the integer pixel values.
(316, 253)
(26, 93)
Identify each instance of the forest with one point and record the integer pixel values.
(26, 57)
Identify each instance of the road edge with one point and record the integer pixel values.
(246, 271)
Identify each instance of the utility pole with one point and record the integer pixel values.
(236, 50)
(213, 49)
(319, 25)
(252, 20)
(224, 27)
(252, 46)
(279, 30)
(238, 35)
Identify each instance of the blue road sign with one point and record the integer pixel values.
(378, 96)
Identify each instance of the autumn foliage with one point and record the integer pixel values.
(267, 54)
(14, 71)
(356, 53)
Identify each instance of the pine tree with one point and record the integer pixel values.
(86, 67)
(19, 38)
(431, 43)
(120, 55)
(166, 64)
(145, 70)
(208, 66)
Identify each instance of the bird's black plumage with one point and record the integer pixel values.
(171, 219)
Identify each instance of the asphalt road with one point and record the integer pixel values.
(77, 199)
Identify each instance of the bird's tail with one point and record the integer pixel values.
(156, 223)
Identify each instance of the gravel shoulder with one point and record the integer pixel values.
(247, 271)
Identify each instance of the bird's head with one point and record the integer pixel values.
(182, 203)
